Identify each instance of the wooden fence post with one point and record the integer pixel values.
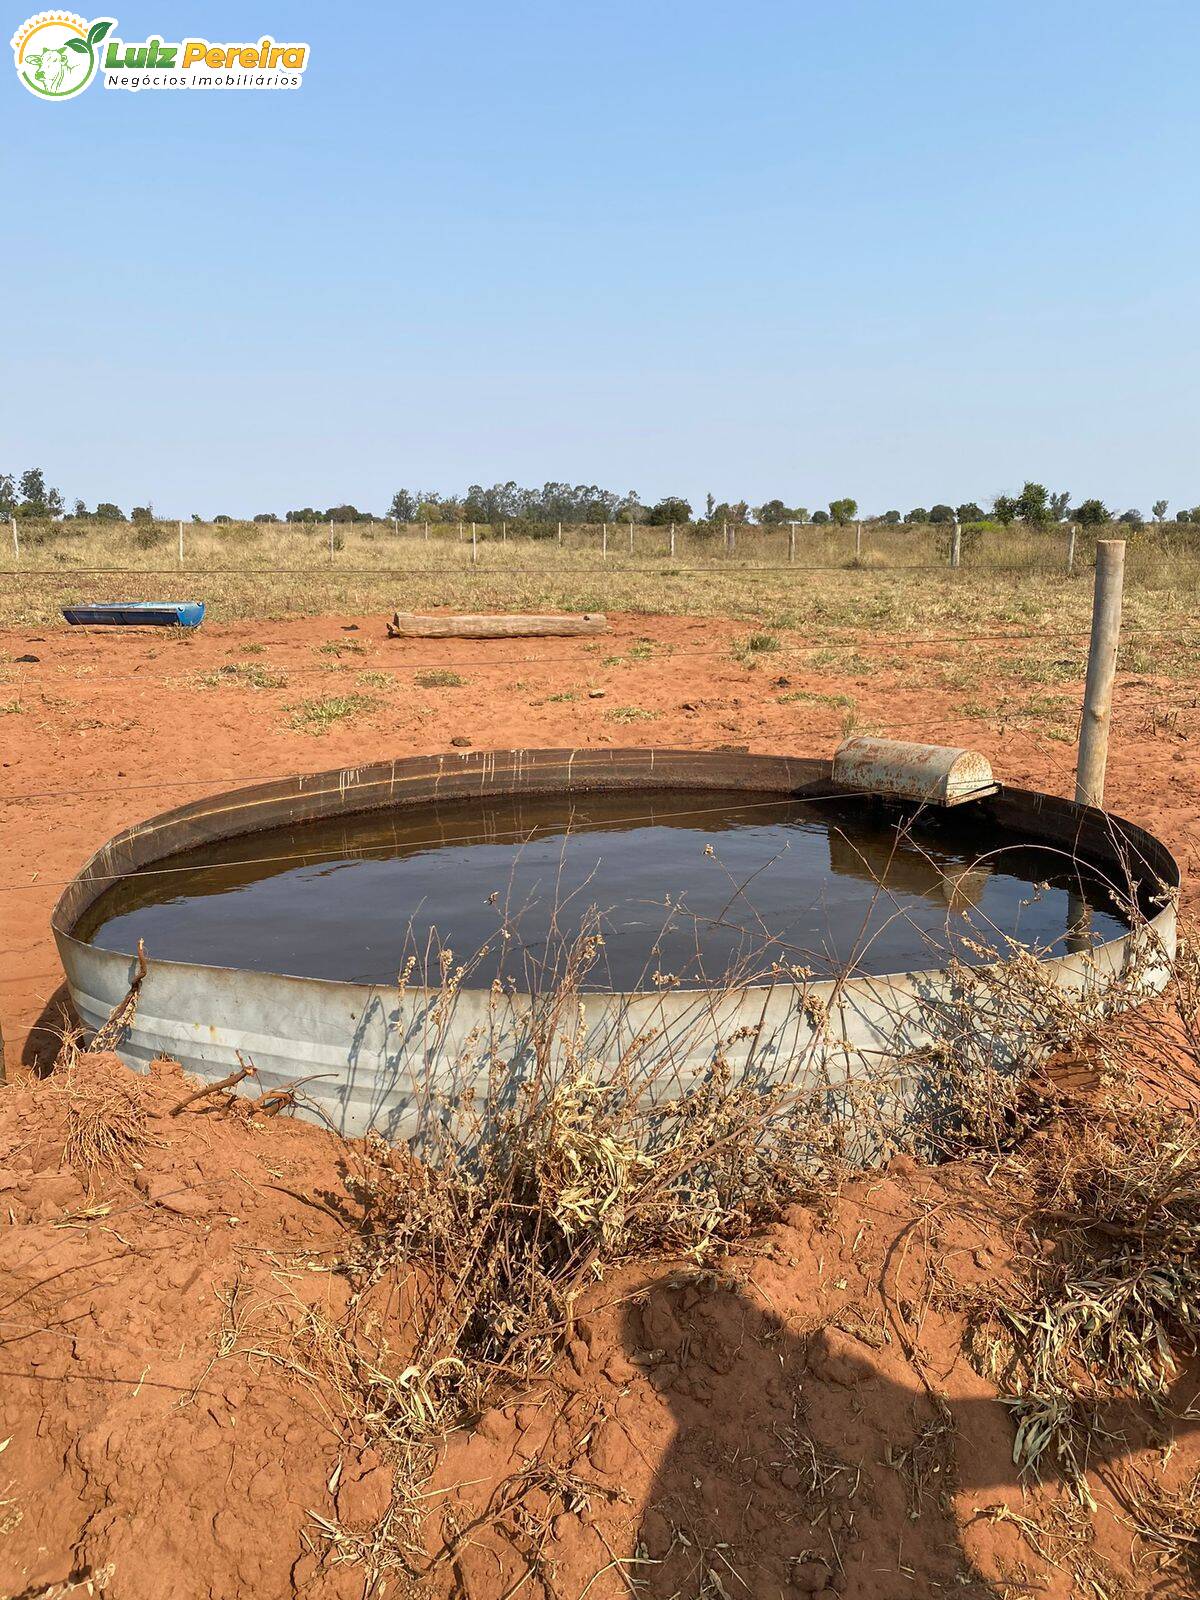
(1101, 670)
(791, 541)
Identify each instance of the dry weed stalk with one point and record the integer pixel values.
(105, 1111)
(1167, 1522)
(527, 1191)
(511, 1200)
(1066, 1540)
(11, 1511)
(112, 1031)
(927, 1465)
(1116, 1181)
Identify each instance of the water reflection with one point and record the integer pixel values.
(687, 885)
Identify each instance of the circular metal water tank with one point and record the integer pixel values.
(374, 1047)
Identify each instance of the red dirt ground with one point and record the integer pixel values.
(801, 1421)
(771, 1429)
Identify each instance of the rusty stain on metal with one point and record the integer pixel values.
(929, 773)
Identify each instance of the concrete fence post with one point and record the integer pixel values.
(181, 542)
(791, 541)
(956, 544)
(1071, 552)
(1101, 671)
(672, 541)
(604, 541)
(474, 547)
(857, 541)
(331, 528)
(631, 536)
(16, 542)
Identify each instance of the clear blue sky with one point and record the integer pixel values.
(908, 252)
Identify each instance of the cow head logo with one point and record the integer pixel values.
(57, 54)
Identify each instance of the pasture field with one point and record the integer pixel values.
(900, 582)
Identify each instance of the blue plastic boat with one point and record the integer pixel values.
(137, 614)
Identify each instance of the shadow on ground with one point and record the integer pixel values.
(822, 1464)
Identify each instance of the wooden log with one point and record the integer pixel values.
(407, 625)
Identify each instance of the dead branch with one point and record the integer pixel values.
(109, 1032)
(214, 1088)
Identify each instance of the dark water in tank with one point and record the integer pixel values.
(694, 885)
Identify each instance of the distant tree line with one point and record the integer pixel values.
(538, 510)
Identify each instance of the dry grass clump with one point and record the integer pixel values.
(1111, 1312)
(972, 1081)
(480, 1235)
(522, 1194)
(1165, 1040)
(1115, 1303)
(624, 714)
(747, 650)
(104, 1106)
(104, 1111)
(439, 678)
(1167, 1522)
(318, 715)
(248, 675)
